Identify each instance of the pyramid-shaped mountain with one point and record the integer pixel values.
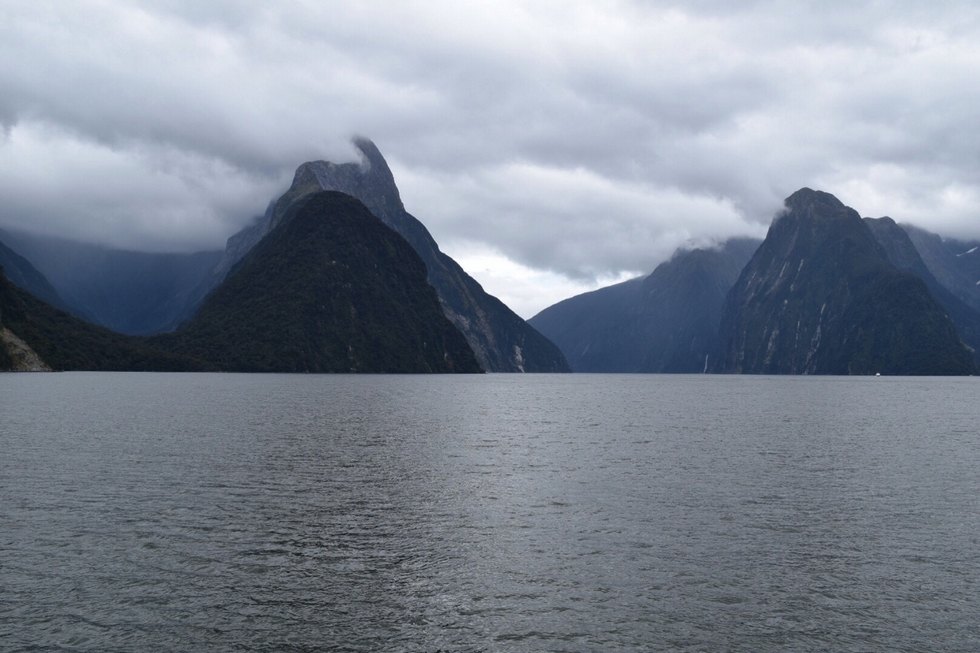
(821, 297)
(332, 289)
(501, 340)
(664, 323)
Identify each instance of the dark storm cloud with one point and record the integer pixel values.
(583, 138)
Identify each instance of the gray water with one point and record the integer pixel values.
(153, 512)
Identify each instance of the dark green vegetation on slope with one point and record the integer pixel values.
(820, 297)
(6, 362)
(65, 342)
(501, 340)
(665, 322)
(332, 289)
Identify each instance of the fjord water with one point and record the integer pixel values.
(218, 512)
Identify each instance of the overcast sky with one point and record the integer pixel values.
(548, 146)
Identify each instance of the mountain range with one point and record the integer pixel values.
(825, 293)
(337, 277)
(135, 293)
(36, 336)
(142, 294)
(904, 255)
(954, 263)
(331, 290)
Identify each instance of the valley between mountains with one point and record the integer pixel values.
(337, 276)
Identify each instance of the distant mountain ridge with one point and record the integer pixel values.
(904, 255)
(501, 340)
(49, 338)
(98, 281)
(24, 275)
(825, 293)
(666, 322)
(130, 292)
(955, 264)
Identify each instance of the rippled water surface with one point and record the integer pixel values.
(493, 513)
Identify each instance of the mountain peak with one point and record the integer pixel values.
(501, 340)
(371, 154)
(821, 297)
(369, 180)
(807, 198)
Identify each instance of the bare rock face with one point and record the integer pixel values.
(821, 297)
(501, 340)
(20, 356)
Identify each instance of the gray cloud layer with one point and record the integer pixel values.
(585, 138)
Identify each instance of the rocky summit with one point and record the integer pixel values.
(820, 296)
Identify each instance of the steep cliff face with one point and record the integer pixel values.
(902, 253)
(820, 297)
(666, 322)
(501, 340)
